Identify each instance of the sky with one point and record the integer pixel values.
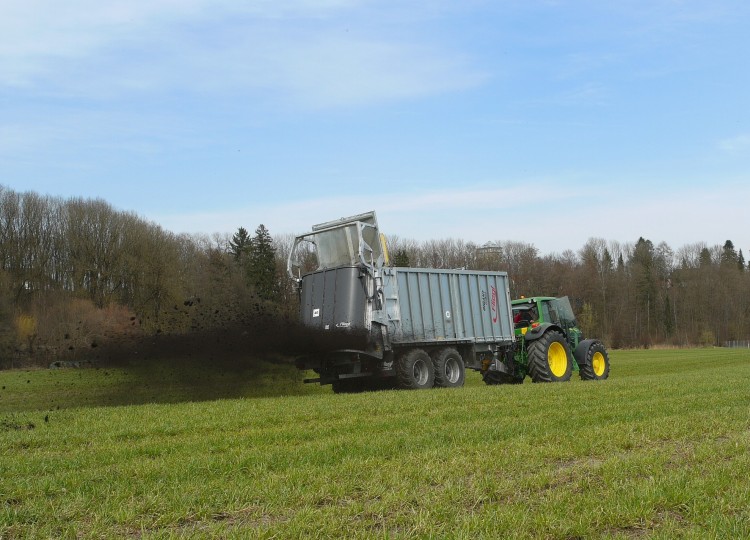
(541, 121)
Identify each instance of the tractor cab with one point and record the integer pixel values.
(524, 315)
(530, 313)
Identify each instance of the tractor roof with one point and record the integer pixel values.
(532, 300)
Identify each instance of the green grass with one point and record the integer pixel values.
(660, 450)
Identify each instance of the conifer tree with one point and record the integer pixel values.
(240, 243)
(644, 279)
(728, 254)
(620, 264)
(401, 259)
(705, 258)
(262, 265)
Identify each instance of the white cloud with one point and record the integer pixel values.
(422, 214)
(736, 145)
(301, 49)
(538, 211)
(298, 216)
(711, 213)
(347, 71)
(17, 138)
(77, 133)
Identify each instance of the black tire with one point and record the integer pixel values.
(414, 370)
(549, 358)
(449, 368)
(596, 365)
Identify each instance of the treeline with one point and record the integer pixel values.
(630, 294)
(76, 273)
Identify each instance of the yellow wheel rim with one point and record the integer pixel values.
(558, 359)
(598, 363)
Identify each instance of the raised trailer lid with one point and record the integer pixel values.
(348, 241)
(368, 217)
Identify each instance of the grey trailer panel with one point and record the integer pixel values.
(427, 305)
(467, 294)
(445, 306)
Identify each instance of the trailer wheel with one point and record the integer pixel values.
(596, 365)
(449, 368)
(549, 358)
(414, 370)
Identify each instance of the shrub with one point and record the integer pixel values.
(707, 338)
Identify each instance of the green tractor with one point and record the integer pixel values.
(549, 345)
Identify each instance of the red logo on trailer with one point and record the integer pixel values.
(493, 304)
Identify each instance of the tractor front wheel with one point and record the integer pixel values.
(549, 358)
(596, 365)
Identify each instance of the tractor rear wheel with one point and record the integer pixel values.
(414, 370)
(449, 368)
(596, 365)
(549, 358)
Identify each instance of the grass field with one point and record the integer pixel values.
(660, 450)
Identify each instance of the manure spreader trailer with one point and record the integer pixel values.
(380, 325)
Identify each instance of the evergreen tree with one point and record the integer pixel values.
(401, 259)
(620, 264)
(644, 279)
(705, 258)
(239, 245)
(643, 266)
(740, 261)
(728, 254)
(262, 265)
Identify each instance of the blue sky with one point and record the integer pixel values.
(450, 119)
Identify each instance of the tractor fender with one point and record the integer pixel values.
(582, 350)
